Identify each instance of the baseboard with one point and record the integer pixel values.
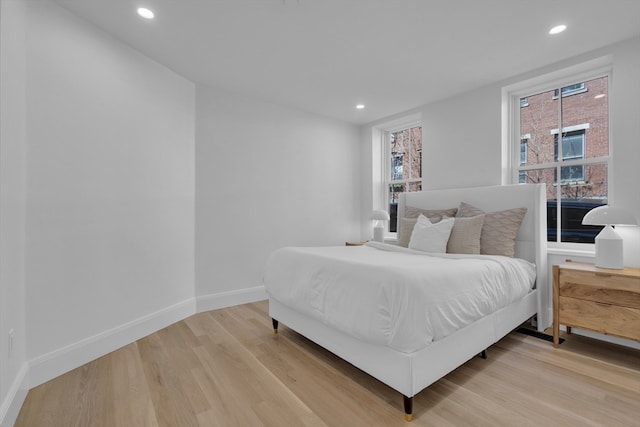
(15, 397)
(608, 338)
(55, 363)
(230, 298)
(48, 366)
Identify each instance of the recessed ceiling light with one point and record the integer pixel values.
(360, 106)
(145, 13)
(557, 29)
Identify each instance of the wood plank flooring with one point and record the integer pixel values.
(227, 368)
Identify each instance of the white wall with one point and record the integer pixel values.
(266, 177)
(13, 135)
(110, 193)
(98, 194)
(461, 140)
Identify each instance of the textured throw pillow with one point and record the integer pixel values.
(437, 214)
(411, 214)
(499, 229)
(465, 235)
(429, 237)
(404, 231)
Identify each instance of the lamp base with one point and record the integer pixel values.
(609, 249)
(378, 233)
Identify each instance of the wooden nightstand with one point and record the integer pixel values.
(598, 299)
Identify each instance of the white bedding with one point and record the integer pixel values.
(393, 296)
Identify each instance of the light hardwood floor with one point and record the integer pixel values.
(227, 368)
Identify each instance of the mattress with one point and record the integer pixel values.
(387, 295)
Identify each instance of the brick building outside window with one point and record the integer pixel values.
(564, 142)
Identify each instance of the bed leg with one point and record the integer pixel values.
(275, 325)
(408, 408)
(483, 354)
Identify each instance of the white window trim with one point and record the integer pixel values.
(387, 157)
(573, 128)
(511, 95)
(381, 201)
(387, 169)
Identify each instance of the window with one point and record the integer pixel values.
(570, 90)
(404, 153)
(522, 176)
(523, 151)
(572, 148)
(397, 163)
(564, 142)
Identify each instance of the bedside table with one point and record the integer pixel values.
(599, 299)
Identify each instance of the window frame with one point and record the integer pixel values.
(387, 182)
(512, 105)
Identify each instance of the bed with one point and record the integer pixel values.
(409, 365)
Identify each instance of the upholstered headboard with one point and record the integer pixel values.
(531, 240)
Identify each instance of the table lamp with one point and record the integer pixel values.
(378, 229)
(608, 241)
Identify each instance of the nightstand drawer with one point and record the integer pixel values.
(602, 287)
(600, 317)
(599, 299)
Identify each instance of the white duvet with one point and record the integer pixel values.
(389, 295)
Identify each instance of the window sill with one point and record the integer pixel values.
(568, 249)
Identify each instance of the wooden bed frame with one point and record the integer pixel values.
(409, 373)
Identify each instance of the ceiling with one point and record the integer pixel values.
(326, 56)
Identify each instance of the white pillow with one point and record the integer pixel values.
(430, 237)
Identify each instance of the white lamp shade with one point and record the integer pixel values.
(380, 215)
(606, 215)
